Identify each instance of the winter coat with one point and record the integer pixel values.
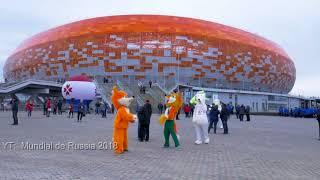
(160, 106)
(318, 115)
(81, 108)
(147, 110)
(224, 114)
(29, 106)
(214, 114)
(48, 104)
(247, 110)
(186, 109)
(14, 105)
(242, 110)
(142, 117)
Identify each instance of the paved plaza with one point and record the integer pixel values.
(265, 148)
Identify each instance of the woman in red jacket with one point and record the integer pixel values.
(187, 110)
(48, 106)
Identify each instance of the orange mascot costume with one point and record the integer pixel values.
(121, 121)
(173, 104)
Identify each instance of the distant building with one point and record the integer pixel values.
(168, 50)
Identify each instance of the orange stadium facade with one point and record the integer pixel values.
(168, 50)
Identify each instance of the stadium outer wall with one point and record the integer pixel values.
(168, 50)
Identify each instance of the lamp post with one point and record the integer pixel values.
(179, 51)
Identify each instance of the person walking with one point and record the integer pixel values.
(26, 106)
(191, 110)
(70, 108)
(242, 111)
(97, 110)
(160, 107)
(14, 107)
(60, 107)
(104, 109)
(224, 118)
(213, 118)
(150, 83)
(2, 106)
(44, 107)
(144, 89)
(112, 108)
(177, 117)
(237, 111)
(55, 106)
(81, 110)
(318, 118)
(248, 113)
(48, 107)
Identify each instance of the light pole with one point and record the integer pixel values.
(179, 51)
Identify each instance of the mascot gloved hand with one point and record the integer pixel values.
(121, 121)
(200, 118)
(174, 102)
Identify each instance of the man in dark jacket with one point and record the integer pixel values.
(318, 118)
(44, 107)
(242, 111)
(224, 118)
(142, 121)
(60, 107)
(213, 118)
(160, 107)
(144, 116)
(81, 111)
(14, 107)
(237, 111)
(247, 111)
(177, 116)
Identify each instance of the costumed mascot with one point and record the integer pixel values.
(121, 121)
(200, 119)
(174, 102)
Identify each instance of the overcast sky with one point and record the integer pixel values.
(293, 24)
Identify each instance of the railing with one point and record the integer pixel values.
(102, 92)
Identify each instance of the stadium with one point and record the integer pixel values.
(170, 51)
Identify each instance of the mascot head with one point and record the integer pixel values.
(119, 98)
(174, 100)
(199, 98)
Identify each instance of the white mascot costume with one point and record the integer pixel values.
(218, 103)
(200, 119)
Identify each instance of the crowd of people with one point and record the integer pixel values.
(55, 106)
(103, 108)
(297, 112)
(242, 111)
(144, 113)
